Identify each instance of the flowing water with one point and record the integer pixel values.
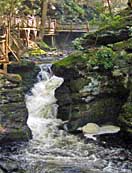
(55, 151)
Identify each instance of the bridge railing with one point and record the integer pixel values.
(21, 21)
(71, 27)
(51, 25)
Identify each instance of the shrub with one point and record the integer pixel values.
(104, 57)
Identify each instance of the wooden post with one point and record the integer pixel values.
(28, 33)
(35, 34)
(130, 3)
(53, 41)
(6, 43)
(87, 25)
(5, 67)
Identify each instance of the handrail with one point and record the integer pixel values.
(35, 22)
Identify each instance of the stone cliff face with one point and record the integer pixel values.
(98, 84)
(13, 111)
(91, 94)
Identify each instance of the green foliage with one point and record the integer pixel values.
(9, 6)
(36, 52)
(123, 45)
(105, 20)
(99, 7)
(105, 57)
(130, 31)
(126, 116)
(43, 45)
(31, 7)
(74, 8)
(20, 7)
(71, 59)
(77, 43)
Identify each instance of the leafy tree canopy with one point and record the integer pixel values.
(10, 6)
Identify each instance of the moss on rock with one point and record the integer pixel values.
(71, 60)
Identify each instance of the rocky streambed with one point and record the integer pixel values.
(54, 150)
(97, 88)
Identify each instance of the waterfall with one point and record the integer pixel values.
(41, 103)
(45, 72)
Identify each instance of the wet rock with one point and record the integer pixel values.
(99, 164)
(27, 70)
(10, 166)
(85, 106)
(13, 111)
(1, 171)
(125, 117)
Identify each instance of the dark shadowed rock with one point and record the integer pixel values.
(27, 71)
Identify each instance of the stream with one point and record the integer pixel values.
(56, 151)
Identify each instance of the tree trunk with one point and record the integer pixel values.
(130, 3)
(109, 6)
(44, 8)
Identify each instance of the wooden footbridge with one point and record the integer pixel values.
(16, 33)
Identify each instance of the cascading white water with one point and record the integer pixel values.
(42, 105)
(45, 72)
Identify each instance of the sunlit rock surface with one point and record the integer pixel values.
(92, 129)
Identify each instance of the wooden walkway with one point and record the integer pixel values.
(52, 26)
(16, 33)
